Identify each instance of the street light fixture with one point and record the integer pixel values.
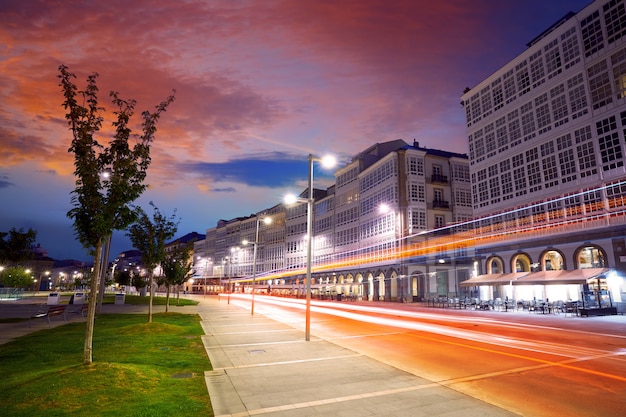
(327, 162)
(267, 221)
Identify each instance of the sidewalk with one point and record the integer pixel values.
(263, 367)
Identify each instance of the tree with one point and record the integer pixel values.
(177, 268)
(148, 237)
(108, 180)
(16, 277)
(137, 280)
(16, 248)
(122, 277)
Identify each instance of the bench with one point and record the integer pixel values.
(80, 309)
(49, 311)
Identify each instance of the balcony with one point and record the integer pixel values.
(441, 204)
(439, 178)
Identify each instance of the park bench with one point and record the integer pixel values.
(47, 311)
(80, 309)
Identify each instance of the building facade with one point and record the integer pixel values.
(382, 204)
(547, 152)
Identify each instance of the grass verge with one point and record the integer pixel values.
(157, 301)
(140, 369)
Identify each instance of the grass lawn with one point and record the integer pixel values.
(140, 369)
(157, 301)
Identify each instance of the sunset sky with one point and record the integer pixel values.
(259, 85)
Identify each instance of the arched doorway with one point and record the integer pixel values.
(358, 291)
(521, 263)
(418, 284)
(393, 290)
(495, 265)
(380, 288)
(552, 260)
(590, 256)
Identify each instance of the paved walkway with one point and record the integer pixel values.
(264, 367)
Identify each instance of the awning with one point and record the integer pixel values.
(576, 276)
(493, 279)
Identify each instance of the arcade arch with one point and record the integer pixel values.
(521, 263)
(552, 260)
(590, 256)
(495, 265)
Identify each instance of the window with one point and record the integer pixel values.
(571, 49)
(559, 107)
(509, 89)
(415, 165)
(494, 188)
(592, 34)
(609, 143)
(532, 155)
(418, 219)
(537, 71)
(534, 176)
(417, 192)
(543, 116)
(599, 85)
(610, 151)
(438, 194)
(615, 20)
(547, 148)
(528, 123)
(523, 79)
(564, 142)
(507, 184)
(586, 159)
(553, 60)
(567, 164)
(439, 221)
(550, 172)
(519, 177)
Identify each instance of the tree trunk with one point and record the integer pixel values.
(91, 311)
(104, 264)
(167, 298)
(151, 280)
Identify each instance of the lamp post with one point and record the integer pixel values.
(266, 220)
(230, 269)
(327, 162)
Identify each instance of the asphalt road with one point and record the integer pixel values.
(532, 364)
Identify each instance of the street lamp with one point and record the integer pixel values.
(327, 162)
(267, 221)
(230, 269)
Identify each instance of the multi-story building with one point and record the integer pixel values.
(547, 151)
(381, 205)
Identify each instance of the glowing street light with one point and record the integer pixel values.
(327, 162)
(267, 221)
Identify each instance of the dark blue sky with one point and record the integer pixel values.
(260, 85)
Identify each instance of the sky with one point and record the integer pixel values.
(260, 85)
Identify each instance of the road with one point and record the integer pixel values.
(532, 364)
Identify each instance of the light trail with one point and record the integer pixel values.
(549, 348)
(297, 303)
